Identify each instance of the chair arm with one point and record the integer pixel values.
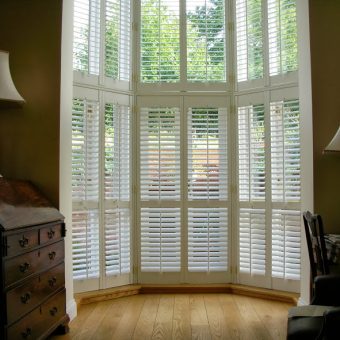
(327, 290)
(331, 323)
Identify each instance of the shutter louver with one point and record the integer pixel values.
(160, 240)
(285, 150)
(249, 39)
(205, 41)
(286, 239)
(282, 35)
(86, 36)
(160, 154)
(117, 39)
(251, 153)
(85, 188)
(117, 189)
(207, 239)
(252, 239)
(207, 148)
(160, 41)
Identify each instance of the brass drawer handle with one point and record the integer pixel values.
(23, 242)
(52, 255)
(27, 333)
(50, 234)
(52, 281)
(24, 267)
(54, 311)
(25, 298)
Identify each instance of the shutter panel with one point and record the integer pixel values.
(252, 238)
(206, 59)
(207, 148)
(286, 240)
(160, 41)
(251, 153)
(249, 39)
(85, 188)
(86, 36)
(117, 189)
(207, 239)
(285, 151)
(160, 154)
(160, 240)
(117, 39)
(282, 35)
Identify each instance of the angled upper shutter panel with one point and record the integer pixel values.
(249, 37)
(85, 189)
(117, 39)
(285, 151)
(160, 240)
(207, 153)
(206, 61)
(86, 36)
(160, 154)
(207, 239)
(286, 244)
(282, 35)
(252, 241)
(117, 189)
(160, 41)
(251, 153)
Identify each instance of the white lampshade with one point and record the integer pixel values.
(334, 145)
(8, 92)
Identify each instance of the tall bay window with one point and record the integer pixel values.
(200, 116)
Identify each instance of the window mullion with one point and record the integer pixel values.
(183, 45)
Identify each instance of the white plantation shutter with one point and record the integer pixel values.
(251, 153)
(252, 238)
(208, 239)
(159, 33)
(249, 37)
(117, 189)
(86, 36)
(160, 240)
(206, 58)
(117, 39)
(286, 239)
(285, 151)
(85, 188)
(207, 153)
(160, 154)
(282, 35)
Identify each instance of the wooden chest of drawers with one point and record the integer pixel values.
(33, 297)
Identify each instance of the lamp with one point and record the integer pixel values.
(9, 96)
(334, 145)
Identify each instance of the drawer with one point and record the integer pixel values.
(51, 233)
(22, 266)
(40, 320)
(17, 243)
(24, 298)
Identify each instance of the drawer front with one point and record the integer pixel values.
(22, 266)
(40, 320)
(51, 233)
(52, 254)
(24, 298)
(20, 242)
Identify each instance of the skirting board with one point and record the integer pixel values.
(113, 293)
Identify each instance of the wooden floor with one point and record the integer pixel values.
(180, 316)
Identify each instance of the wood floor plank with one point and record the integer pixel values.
(163, 323)
(181, 329)
(215, 317)
(146, 321)
(199, 321)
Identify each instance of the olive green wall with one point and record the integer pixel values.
(325, 59)
(29, 136)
